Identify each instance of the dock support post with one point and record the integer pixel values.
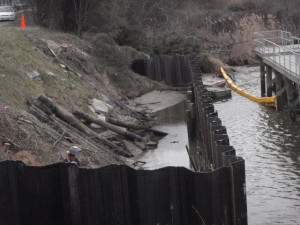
(269, 81)
(262, 78)
(290, 93)
(298, 90)
(279, 85)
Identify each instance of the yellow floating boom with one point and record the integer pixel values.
(268, 101)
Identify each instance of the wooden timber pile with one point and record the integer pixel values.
(74, 127)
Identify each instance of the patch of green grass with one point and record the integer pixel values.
(17, 58)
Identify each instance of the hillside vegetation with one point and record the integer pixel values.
(19, 59)
(76, 51)
(217, 28)
(29, 69)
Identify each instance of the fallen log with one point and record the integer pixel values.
(38, 113)
(87, 142)
(63, 114)
(133, 112)
(116, 129)
(123, 106)
(70, 119)
(134, 126)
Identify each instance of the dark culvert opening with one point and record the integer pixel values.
(139, 66)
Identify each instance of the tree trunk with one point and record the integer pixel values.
(134, 126)
(70, 119)
(116, 129)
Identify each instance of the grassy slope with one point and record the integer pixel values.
(17, 57)
(104, 66)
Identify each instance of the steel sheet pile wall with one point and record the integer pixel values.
(63, 194)
(217, 151)
(171, 70)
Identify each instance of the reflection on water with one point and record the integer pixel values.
(270, 144)
(171, 149)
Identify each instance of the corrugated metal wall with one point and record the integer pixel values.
(63, 194)
(216, 150)
(170, 70)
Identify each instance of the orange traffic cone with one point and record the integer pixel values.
(23, 22)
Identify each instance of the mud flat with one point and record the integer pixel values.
(159, 100)
(216, 86)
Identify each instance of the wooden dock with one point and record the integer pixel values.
(278, 52)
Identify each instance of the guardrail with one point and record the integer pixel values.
(281, 48)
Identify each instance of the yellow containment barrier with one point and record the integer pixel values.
(268, 101)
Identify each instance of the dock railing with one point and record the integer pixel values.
(281, 48)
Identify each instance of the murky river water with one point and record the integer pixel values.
(270, 144)
(267, 140)
(171, 149)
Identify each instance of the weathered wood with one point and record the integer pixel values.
(279, 85)
(69, 118)
(71, 134)
(124, 106)
(134, 126)
(64, 114)
(269, 81)
(296, 102)
(289, 91)
(281, 91)
(63, 64)
(38, 113)
(262, 78)
(116, 129)
(271, 84)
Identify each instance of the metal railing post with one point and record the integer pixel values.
(297, 63)
(280, 47)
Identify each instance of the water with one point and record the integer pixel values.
(267, 140)
(171, 150)
(270, 144)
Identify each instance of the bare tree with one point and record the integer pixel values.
(81, 13)
(47, 13)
